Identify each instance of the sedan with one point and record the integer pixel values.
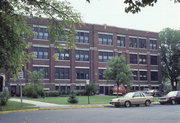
(132, 98)
(172, 97)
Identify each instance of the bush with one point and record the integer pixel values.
(4, 96)
(72, 99)
(80, 92)
(33, 90)
(51, 93)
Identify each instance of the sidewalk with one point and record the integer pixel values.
(37, 103)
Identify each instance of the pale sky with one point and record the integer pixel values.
(111, 12)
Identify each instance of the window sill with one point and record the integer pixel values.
(40, 39)
(40, 59)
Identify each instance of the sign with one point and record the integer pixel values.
(20, 75)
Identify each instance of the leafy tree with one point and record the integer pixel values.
(90, 89)
(170, 55)
(134, 6)
(13, 27)
(34, 89)
(118, 72)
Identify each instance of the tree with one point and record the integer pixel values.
(170, 55)
(118, 72)
(13, 27)
(34, 89)
(90, 88)
(134, 6)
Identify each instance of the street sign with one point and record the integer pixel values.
(20, 75)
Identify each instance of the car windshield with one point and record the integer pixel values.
(173, 93)
(129, 95)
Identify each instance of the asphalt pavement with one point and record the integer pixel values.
(142, 114)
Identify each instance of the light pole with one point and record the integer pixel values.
(87, 83)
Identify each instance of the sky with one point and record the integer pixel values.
(165, 13)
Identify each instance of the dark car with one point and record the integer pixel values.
(172, 97)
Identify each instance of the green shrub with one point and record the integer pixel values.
(72, 99)
(33, 90)
(4, 96)
(80, 92)
(53, 93)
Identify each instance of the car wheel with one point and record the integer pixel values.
(127, 104)
(173, 102)
(147, 103)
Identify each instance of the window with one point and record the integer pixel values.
(82, 37)
(63, 36)
(44, 70)
(82, 55)
(153, 44)
(133, 42)
(154, 76)
(62, 73)
(142, 43)
(135, 75)
(41, 52)
(143, 75)
(105, 39)
(101, 74)
(142, 59)
(153, 60)
(40, 33)
(82, 73)
(64, 55)
(121, 41)
(105, 56)
(133, 58)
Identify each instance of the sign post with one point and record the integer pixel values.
(20, 77)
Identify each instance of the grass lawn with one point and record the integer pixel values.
(12, 105)
(83, 100)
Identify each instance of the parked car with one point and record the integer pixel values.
(132, 98)
(153, 92)
(172, 97)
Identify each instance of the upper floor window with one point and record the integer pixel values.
(135, 75)
(133, 58)
(82, 37)
(142, 43)
(101, 74)
(82, 55)
(121, 41)
(143, 75)
(133, 42)
(44, 71)
(153, 44)
(82, 73)
(41, 52)
(154, 76)
(62, 55)
(62, 73)
(105, 56)
(142, 59)
(105, 39)
(153, 60)
(40, 33)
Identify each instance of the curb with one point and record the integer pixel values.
(60, 108)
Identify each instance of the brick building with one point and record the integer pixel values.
(96, 44)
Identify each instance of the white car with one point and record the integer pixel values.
(132, 98)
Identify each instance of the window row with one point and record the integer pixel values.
(142, 59)
(142, 75)
(103, 39)
(64, 73)
(84, 55)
